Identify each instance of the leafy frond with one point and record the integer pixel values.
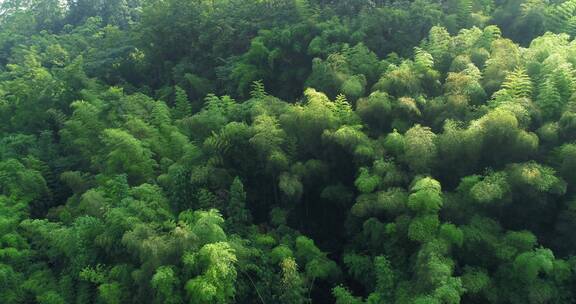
(518, 83)
(423, 59)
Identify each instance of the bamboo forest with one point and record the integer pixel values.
(287, 151)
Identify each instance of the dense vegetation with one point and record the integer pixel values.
(287, 151)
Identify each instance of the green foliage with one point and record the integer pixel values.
(318, 266)
(475, 280)
(238, 215)
(420, 150)
(529, 264)
(206, 225)
(215, 284)
(549, 99)
(20, 183)
(518, 84)
(126, 154)
(384, 279)
(490, 189)
(166, 284)
(538, 177)
(365, 182)
(182, 107)
(293, 290)
(417, 156)
(426, 196)
(343, 296)
(423, 228)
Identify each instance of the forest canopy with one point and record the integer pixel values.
(287, 151)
